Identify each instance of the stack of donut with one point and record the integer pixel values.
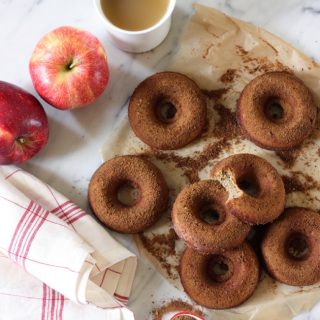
(219, 268)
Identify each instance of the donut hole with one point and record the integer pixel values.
(249, 184)
(274, 110)
(297, 246)
(166, 111)
(210, 214)
(219, 268)
(128, 194)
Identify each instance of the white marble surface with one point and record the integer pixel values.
(71, 155)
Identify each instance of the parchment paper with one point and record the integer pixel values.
(214, 43)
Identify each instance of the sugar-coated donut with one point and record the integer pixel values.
(291, 247)
(182, 126)
(256, 190)
(204, 282)
(145, 177)
(277, 111)
(188, 218)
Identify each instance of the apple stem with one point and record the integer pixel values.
(71, 65)
(21, 140)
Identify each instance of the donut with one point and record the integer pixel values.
(202, 200)
(220, 280)
(276, 111)
(167, 111)
(142, 176)
(256, 190)
(290, 247)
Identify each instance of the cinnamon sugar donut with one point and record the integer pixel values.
(143, 176)
(277, 111)
(206, 199)
(256, 190)
(222, 280)
(291, 247)
(167, 111)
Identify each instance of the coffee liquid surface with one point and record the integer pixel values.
(134, 15)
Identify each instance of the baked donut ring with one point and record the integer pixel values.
(291, 248)
(203, 198)
(256, 190)
(184, 120)
(277, 111)
(144, 177)
(220, 281)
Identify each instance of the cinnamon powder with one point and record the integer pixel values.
(227, 127)
(299, 182)
(289, 157)
(292, 184)
(191, 166)
(229, 76)
(254, 65)
(162, 246)
(215, 94)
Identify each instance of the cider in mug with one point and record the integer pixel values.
(134, 15)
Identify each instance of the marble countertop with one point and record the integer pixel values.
(72, 154)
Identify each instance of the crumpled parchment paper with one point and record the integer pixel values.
(221, 52)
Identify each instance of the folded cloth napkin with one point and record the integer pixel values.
(56, 261)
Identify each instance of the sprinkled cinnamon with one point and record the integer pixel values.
(227, 127)
(288, 157)
(192, 165)
(162, 247)
(254, 65)
(299, 182)
(215, 94)
(229, 76)
(292, 184)
(241, 51)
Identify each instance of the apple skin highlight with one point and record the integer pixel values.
(24, 126)
(69, 68)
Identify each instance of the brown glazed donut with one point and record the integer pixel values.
(143, 176)
(204, 282)
(277, 111)
(177, 128)
(188, 213)
(291, 248)
(256, 190)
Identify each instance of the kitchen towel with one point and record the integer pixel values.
(56, 261)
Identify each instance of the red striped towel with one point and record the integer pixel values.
(56, 261)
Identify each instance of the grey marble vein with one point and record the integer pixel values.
(311, 10)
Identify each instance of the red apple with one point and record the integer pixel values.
(23, 124)
(69, 68)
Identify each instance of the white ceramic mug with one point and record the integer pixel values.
(142, 40)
